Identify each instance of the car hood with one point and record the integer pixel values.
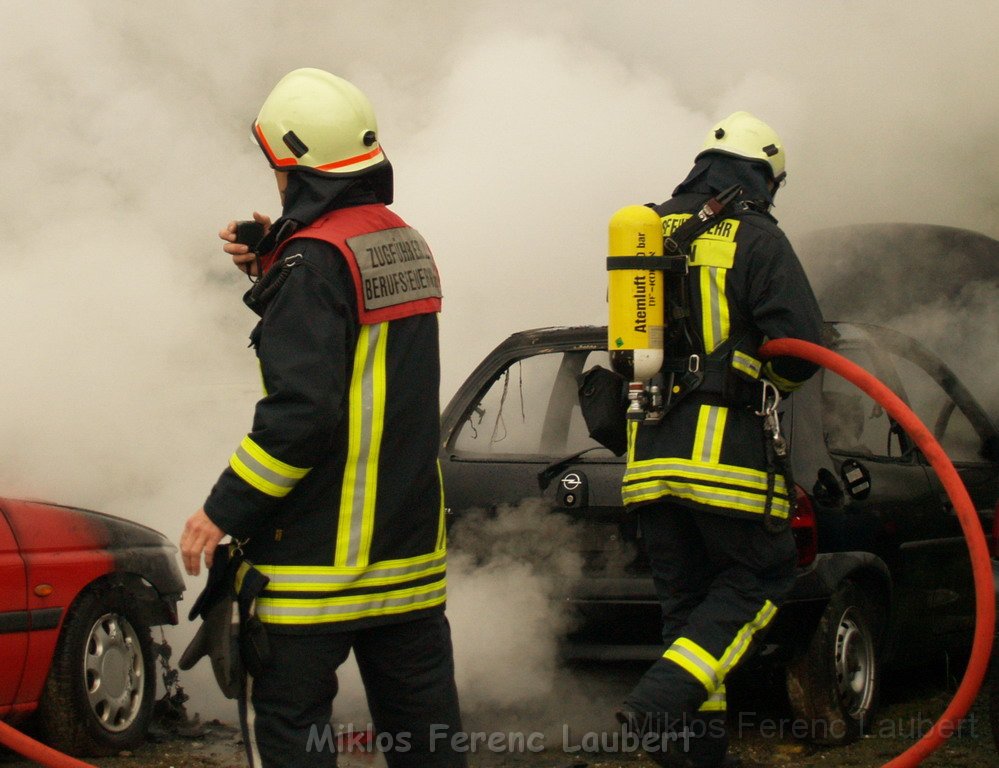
(41, 527)
(876, 273)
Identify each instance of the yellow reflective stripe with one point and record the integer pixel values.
(714, 307)
(331, 578)
(632, 434)
(698, 662)
(355, 417)
(272, 610)
(366, 407)
(741, 500)
(710, 433)
(784, 385)
(747, 364)
(378, 385)
(442, 515)
(745, 477)
(711, 672)
(744, 637)
(707, 252)
(261, 470)
(700, 434)
(263, 383)
(716, 701)
(241, 571)
(708, 310)
(718, 279)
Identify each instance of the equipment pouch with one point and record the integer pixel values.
(603, 400)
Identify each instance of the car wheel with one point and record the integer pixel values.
(100, 692)
(833, 687)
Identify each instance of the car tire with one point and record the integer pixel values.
(100, 692)
(834, 686)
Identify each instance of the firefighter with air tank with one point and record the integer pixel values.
(696, 285)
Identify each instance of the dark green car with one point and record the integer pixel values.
(883, 576)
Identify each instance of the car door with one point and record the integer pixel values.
(13, 615)
(888, 505)
(523, 438)
(962, 429)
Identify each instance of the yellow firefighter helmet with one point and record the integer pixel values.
(743, 135)
(315, 121)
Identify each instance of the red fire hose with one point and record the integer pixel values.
(985, 608)
(36, 751)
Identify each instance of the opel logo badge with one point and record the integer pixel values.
(571, 481)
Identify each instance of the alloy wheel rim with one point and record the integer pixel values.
(114, 673)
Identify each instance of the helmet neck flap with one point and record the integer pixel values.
(713, 173)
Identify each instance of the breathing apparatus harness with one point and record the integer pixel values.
(694, 370)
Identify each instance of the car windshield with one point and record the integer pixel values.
(854, 424)
(532, 409)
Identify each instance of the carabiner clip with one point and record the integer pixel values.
(770, 400)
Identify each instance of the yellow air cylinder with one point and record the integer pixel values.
(635, 296)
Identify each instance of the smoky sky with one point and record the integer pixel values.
(516, 130)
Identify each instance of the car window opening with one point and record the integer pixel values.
(499, 426)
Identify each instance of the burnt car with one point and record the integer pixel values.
(883, 573)
(79, 591)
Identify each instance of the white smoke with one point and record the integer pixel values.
(508, 573)
(515, 131)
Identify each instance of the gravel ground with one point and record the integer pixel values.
(761, 736)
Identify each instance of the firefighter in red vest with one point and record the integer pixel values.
(334, 496)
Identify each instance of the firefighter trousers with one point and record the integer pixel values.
(720, 581)
(408, 673)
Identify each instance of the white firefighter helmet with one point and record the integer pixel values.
(743, 135)
(315, 121)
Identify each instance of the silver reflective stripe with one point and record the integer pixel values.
(282, 577)
(738, 500)
(715, 297)
(263, 472)
(716, 701)
(250, 723)
(745, 636)
(693, 660)
(687, 471)
(714, 414)
(746, 363)
(330, 609)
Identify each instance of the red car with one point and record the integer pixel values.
(79, 591)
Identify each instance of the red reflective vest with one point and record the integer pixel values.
(393, 269)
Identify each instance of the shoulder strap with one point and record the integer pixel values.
(701, 220)
(676, 247)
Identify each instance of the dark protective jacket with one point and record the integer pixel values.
(747, 285)
(337, 487)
